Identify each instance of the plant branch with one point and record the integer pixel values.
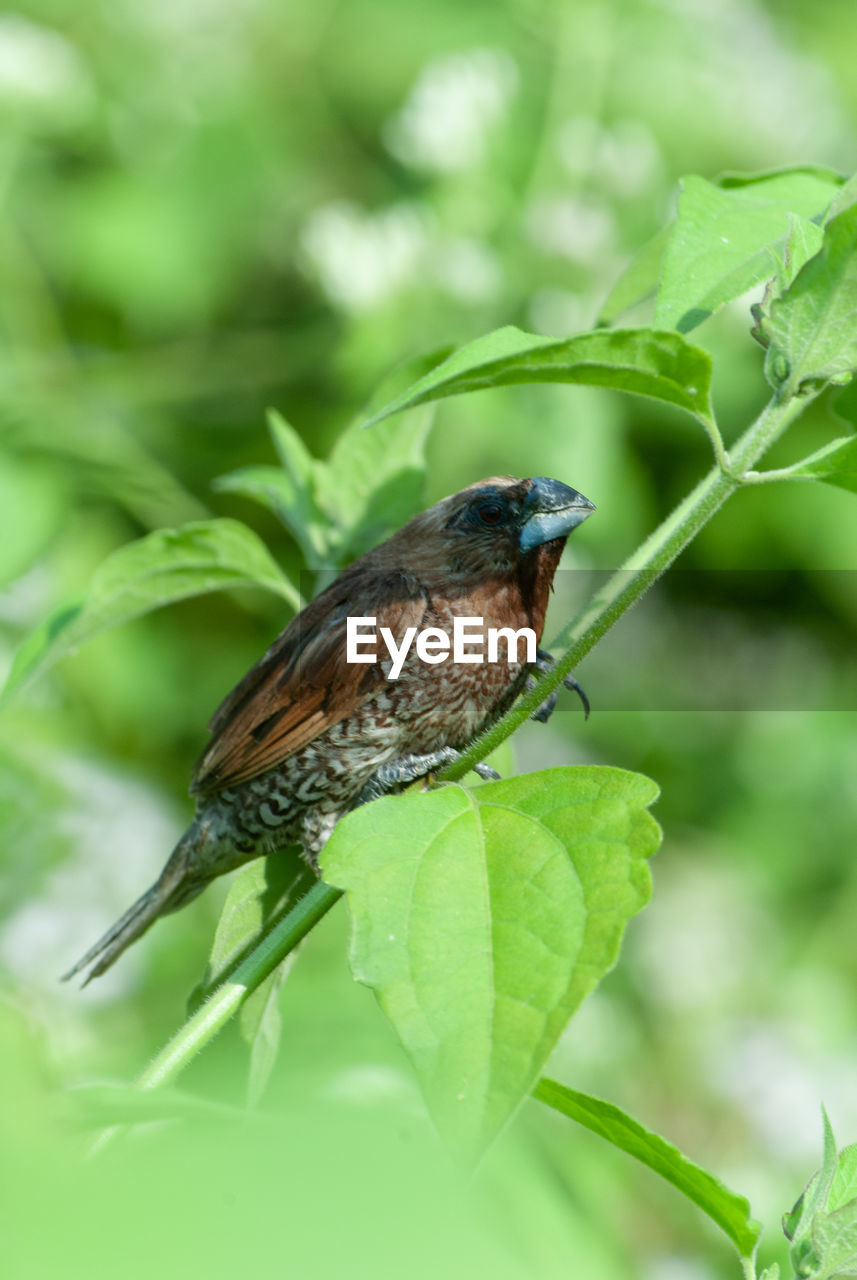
(204, 1025)
(781, 473)
(721, 457)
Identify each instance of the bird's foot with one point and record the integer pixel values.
(399, 773)
(543, 663)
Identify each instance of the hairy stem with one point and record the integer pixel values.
(204, 1025)
(634, 578)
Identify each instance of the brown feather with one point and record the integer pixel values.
(303, 684)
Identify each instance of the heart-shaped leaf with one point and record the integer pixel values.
(719, 247)
(482, 918)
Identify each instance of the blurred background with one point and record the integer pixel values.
(209, 207)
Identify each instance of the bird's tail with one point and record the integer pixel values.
(175, 886)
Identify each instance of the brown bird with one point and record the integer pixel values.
(308, 735)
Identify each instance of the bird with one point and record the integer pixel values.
(307, 735)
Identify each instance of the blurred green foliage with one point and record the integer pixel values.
(208, 207)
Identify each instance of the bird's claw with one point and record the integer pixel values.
(486, 773)
(573, 687)
(399, 773)
(543, 664)
(545, 710)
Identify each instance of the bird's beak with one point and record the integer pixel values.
(551, 510)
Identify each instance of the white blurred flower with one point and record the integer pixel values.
(599, 1035)
(579, 228)
(204, 52)
(672, 1266)
(177, 17)
(559, 312)
(369, 1083)
(779, 1081)
(468, 270)
(362, 258)
(778, 94)
(27, 599)
(701, 937)
(41, 72)
(446, 122)
(625, 156)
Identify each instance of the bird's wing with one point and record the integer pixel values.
(303, 685)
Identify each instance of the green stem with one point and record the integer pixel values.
(644, 567)
(721, 457)
(204, 1025)
(782, 473)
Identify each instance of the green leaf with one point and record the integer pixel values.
(168, 565)
(822, 1226)
(301, 471)
(262, 891)
(297, 460)
(844, 198)
(803, 240)
(834, 1236)
(402, 375)
(260, 1024)
(842, 406)
(719, 247)
(827, 1172)
(835, 463)
(798, 1221)
(289, 491)
(646, 362)
(638, 281)
(372, 483)
(273, 488)
(482, 918)
(729, 1210)
(843, 1188)
(812, 326)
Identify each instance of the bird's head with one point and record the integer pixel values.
(493, 526)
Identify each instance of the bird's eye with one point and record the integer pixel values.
(491, 512)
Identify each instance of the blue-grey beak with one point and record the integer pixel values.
(551, 510)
